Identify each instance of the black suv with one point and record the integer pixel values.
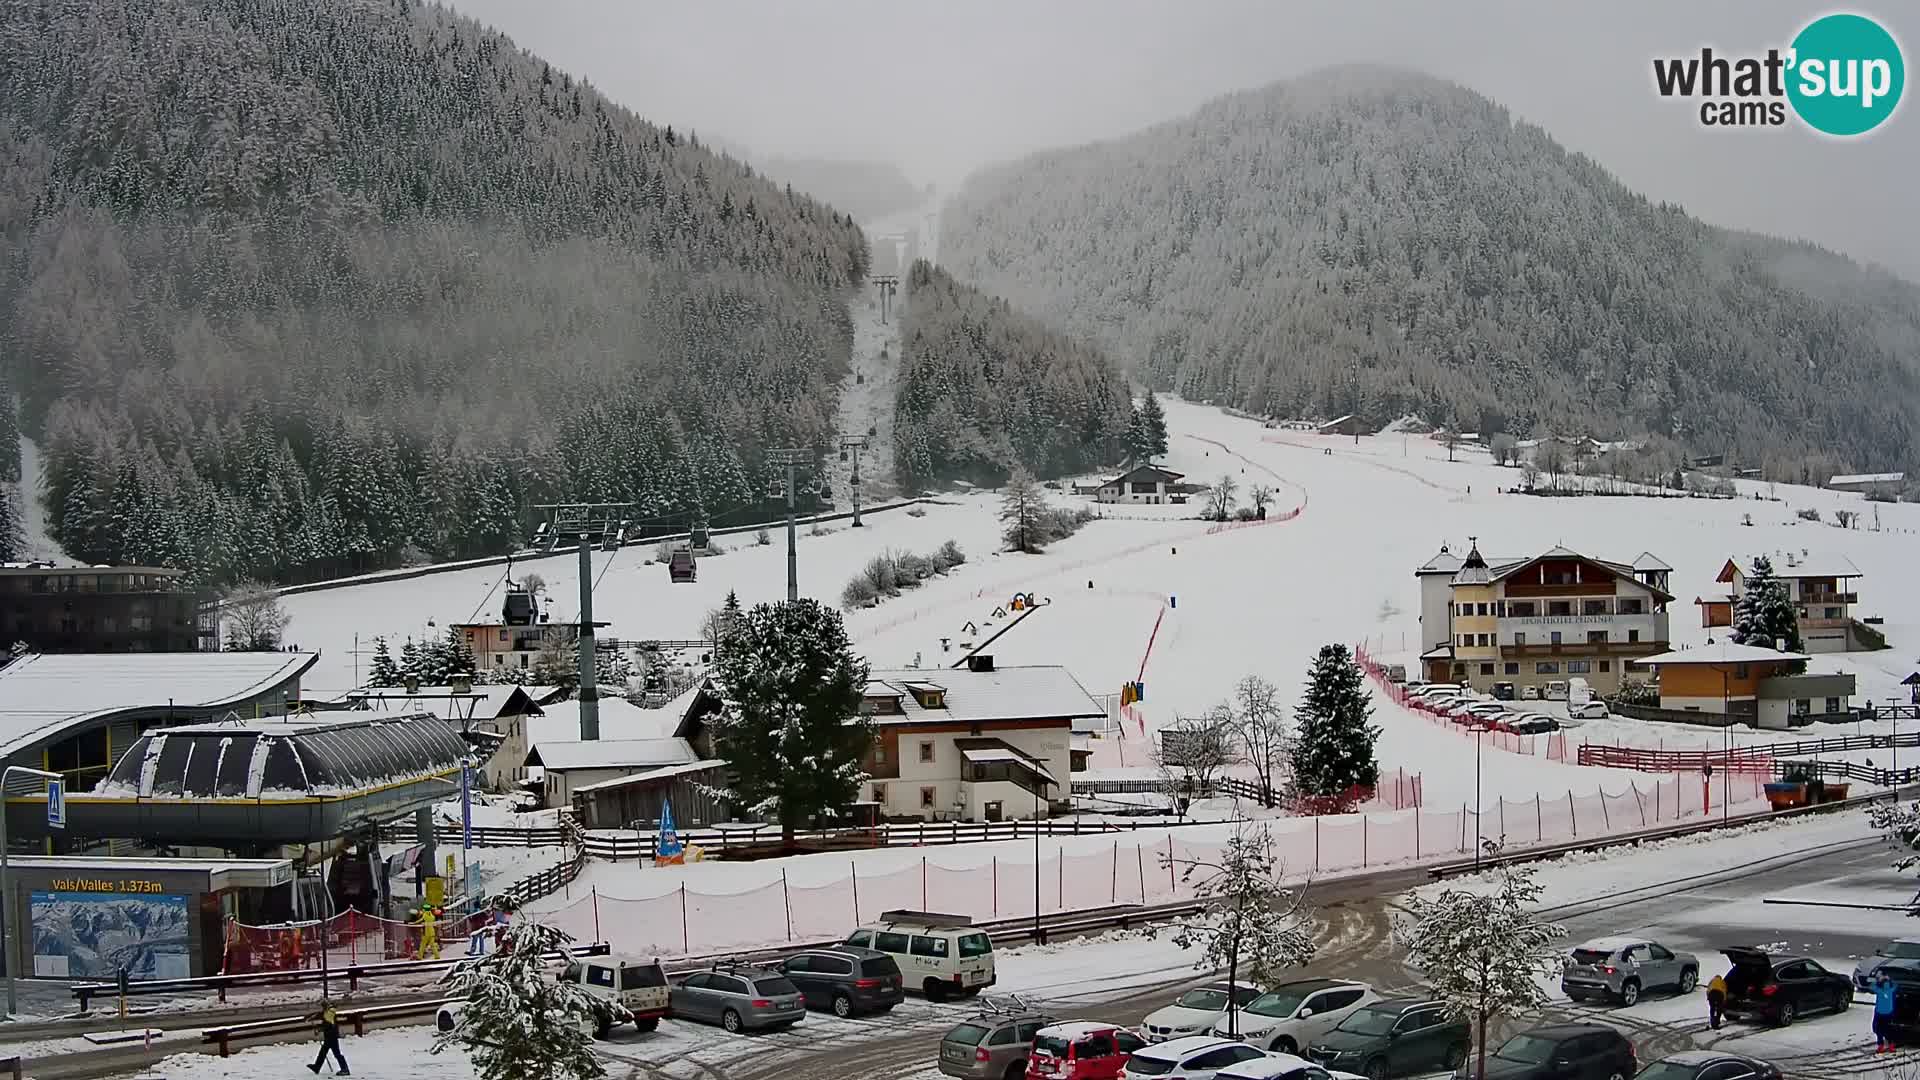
(1780, 989)
(845, 979)
(1560, 1052)
(1394, 1038)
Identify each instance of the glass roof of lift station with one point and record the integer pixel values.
(285, 759)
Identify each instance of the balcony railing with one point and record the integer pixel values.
(1585, 648)
(1829, 598)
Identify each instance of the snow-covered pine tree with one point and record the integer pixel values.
(519, 1022)
(10, 529)
(613, 667)
(790, 727)
(1764, 615)
(457, 654)
(1137, 444)
(1023, 510)
(1482, 951)
(410, 663)
(1248, 923)
(1154, 419)
(1333, 744)
(384, 671)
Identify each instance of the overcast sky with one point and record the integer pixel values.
(942, 88)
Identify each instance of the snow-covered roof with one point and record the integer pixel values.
(1041, 692)
(557, 756)
(651, 775)
(1647, 560)
(47, 693)
(1145, 472)
(989, 755)
(1818, 565)
(619, 719)
(1868, 478)
(1722, 652)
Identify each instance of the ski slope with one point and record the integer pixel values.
(1216, 605)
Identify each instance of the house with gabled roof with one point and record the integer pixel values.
(1143, 484)
(972, 743)
(1823, 590)
(1534, 620)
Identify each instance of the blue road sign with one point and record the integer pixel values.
(56, 805)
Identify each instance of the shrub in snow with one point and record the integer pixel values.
(912, 569)
(859, 593)
(519, 1022)
(762, 538)
(882, 574)
(1807, 514)
(1482, 951)
(916, 510)
(951, 552)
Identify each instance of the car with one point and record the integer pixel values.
(1535, 724)
(1191, 1057)
(739, 998)
(1779, 990)
(1623, 967)
(939, 955)
(991, 1045)
(1081, 1049)
(1897, 949)
(1489, 710)
(847, 980)
(1503, 691)
(1281, 1067)
(1708, 1065)
(1197, 1011)
(1560, 1052)
(1555, 691)
(1594, 709)
(1395, 1037)
(1295, 1013)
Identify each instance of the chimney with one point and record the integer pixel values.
(980, 662)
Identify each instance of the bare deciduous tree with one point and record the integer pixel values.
(1220, 498)
(251, 618)
(1261, 495)
(1194, 750)
(1265, 739)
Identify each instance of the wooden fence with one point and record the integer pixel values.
(1761, 757)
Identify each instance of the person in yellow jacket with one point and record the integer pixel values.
(1716, 1001)
(429, 939)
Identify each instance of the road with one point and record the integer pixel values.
(1359, 930)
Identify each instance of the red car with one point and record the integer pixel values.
(1081, 1050)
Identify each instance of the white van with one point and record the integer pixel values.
(938, 954)
(1556, 691)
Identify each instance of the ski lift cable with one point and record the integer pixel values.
(481, 606)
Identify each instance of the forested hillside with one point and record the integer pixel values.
(1372, 241)
(983, 388)
(291, 288)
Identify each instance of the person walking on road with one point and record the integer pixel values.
(1716, 1001)
(329, 1040)
(1883, 999)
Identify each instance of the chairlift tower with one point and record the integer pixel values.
(852, 445)
(888, 284)
(794, 459)
(588, 524)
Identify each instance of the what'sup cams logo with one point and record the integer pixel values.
(1842, 75)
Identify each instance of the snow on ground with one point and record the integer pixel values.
(1247, 600)
(867, 396)
(36, 541)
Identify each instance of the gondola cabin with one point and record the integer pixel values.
(680, 566)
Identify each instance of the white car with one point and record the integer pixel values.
(1293, 1014)
(1196, 1011)
(1594, 709)
(1282, 1067)
(1193, 1057)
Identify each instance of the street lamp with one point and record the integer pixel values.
(6, 885)
(1039, 796)
(1726, 742)
(1479, 834)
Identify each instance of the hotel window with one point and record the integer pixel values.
(1740, 671)
(1578, 667)
(880, 753)
(926, 751)
(1466, 641)
(1833, 705)
(1487, 669)
(880, 793)
(1521, 609)
(1633, 636)
(1596, 637)
(1630, 605)
(1547, 667)
(1519, 637)
(1560, 607)
(1554, 637)
(926, 797)
(1482, 640)
(1606, 666)
(1593, 607)
(1831, 613)
(1481, 609)
(1513, 669)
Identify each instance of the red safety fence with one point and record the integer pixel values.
(1086, 872)
(350, 937)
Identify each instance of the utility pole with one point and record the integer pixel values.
(794, 460)
(887, 284)
(853, 444)
(589, 673)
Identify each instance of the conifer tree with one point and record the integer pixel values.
(1154, 421)
(1334, 744)
(1023, 510)
(10, 526)
(458, 655)
(519, 1022)
(410, 663)
(1764, 615)
(384, 671)
(790, 728)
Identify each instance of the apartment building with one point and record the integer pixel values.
(1539, 619)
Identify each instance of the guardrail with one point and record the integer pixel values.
(358, 1019)
(1600, 843)
(353, 973)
